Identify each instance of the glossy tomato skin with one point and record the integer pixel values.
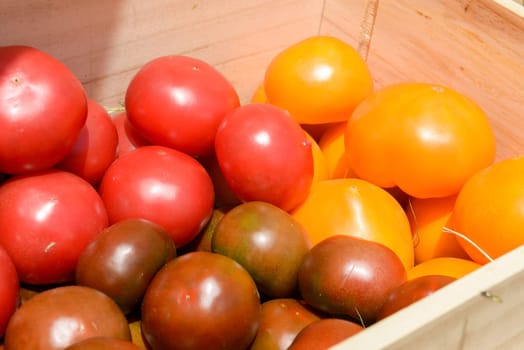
(411, 291)
(265, 155)
(123, 259)
(128, 137)
(281, 319)
(267, 241)
(178, 102)
(349, 276)
(324, 333)
(201, 300)
(9, 289)
(47, 218)
(95, 148)
(162, 185)
(61, 316)
(103, 343)
(43, 107)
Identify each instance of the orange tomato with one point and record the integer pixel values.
(332, 145)
(488, 210)
(259, 96)
(445, 266)
(318, 80)
(426, 139)
(356, 208)
(427, 217)
(320, 169)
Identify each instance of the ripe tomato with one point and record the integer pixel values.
(331, 144)
(42, 109)
(201, 300)
(101, 343)
(265, 155)
(355, 207)
(162, 185)
(426, 139)
(9, 289)
(178, 102)
(318, 80)
(95, 148)
(47, 218)
(320, 167)
(324, 333)
(488, 210)
(128, 137)
(445, 266)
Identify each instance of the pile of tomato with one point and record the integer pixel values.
(191, 220)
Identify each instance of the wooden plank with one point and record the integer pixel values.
(475, 47)
(458, 316)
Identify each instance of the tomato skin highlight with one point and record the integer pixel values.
(43, 107)
(265, 155)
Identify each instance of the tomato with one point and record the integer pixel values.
(267, 241)
(355, 207)
(61, 316)
(349, 276)
(128, 137)
(411, 291)
(9, 289)
(47, 218)
(318, 80)
(95, 148)
(265, 155)
(320, 167)
(201, 300)
(488, 210)
(426, 139)
(103, 343)
(324, 333)
(224, 195)
(203, 241)
(281, 319)
(332, 146)
(445, 266)
(162, 185)
(123, 259)
(43, 107)
(178, 102)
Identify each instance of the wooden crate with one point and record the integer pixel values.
(474, 46)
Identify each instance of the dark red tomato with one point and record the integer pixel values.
(47, 219)
(267, 241)
(61, 316)
(224, 196)
(104, 343)
(128, 137)
(9, 289)
(324, 333)
(123, 259)
(411, 291)
(42, 109)
(178, 102)
(265, 155)
(349, 276)
(162, 185)
(95, 148)
(201, 300)
(280, 322)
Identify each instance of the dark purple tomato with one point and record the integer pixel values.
(9, 289)
(123, 259)
(324, 333)
(162, 185)
(265, 155)
(201, 300)
(178, 102)
(349, 276)
(43, 106)
(280, 321)
(103, 343)
(95, 147)
(61, 316)
(267, 241)
(411, 291)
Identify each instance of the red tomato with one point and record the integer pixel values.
(42, 109)
(178, 102)
(162, 185)
(95, 147)
(265, 155)
(46, 220)
(128, 137)
(9, 289)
